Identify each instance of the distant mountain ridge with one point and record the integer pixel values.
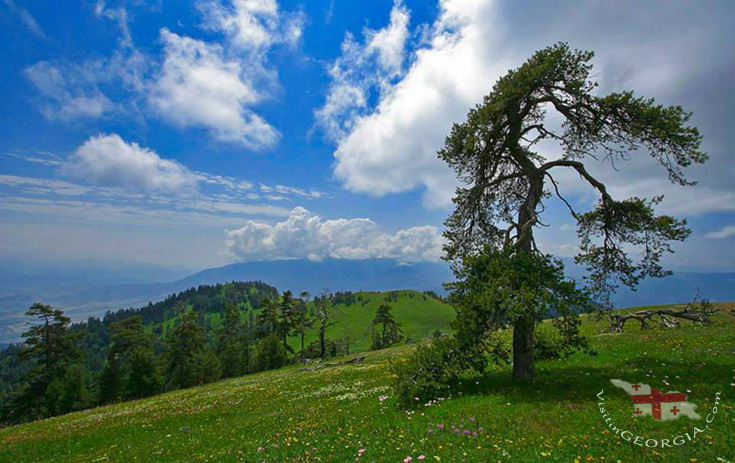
(296, 275)
(316, 276)
(331, 274)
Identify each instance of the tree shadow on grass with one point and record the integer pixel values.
(573, 384)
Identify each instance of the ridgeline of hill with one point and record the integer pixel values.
(337, 411)
(62, 288)
(419, 314)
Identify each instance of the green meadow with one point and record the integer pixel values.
(340, 412)
(418, 314)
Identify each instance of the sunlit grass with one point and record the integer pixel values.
(335, 413)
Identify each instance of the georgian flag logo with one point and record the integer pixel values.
(650, 401)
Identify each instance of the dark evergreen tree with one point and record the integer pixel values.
(144, 377)
(184, 344)
(287, 314)
(506, 181)
(131, 362)
(111, 380)
(207, 366)
(385, 330)
(69, 392)
(268, 318)
(270, 353)
(232, 343)
(55, 383)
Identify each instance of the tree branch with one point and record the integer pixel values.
(558, 194)
(579, 167)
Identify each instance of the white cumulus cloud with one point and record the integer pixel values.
(215, 85)
(374, 64)
(108, 160)
(252, 25)
(306, 235)
(199, 87)
(393, 148)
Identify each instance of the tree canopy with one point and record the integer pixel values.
(506, 180)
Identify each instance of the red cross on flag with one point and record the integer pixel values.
(650, 401)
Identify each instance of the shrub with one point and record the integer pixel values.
(561, 339)
(546, 345)
(430, 372)
(270, 353)
(331, 349)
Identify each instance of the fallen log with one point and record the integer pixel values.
(698, 312)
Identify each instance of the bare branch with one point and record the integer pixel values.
(558, 194)
(579, 167)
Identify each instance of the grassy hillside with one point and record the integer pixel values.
(334, 413)
(419, 316)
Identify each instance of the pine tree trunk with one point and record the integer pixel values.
(523, 328)
(523, 349)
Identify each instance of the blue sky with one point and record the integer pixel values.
(192, 134)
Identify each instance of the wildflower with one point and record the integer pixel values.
(408, 459)
(422, 457)
(361, 451)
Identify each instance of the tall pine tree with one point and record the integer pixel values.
(184, 344)
(232, 343)
(386, 331)
(56, 383)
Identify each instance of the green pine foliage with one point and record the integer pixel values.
(55, 383)
(386, 331)
(233, 346)
(183, 348)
